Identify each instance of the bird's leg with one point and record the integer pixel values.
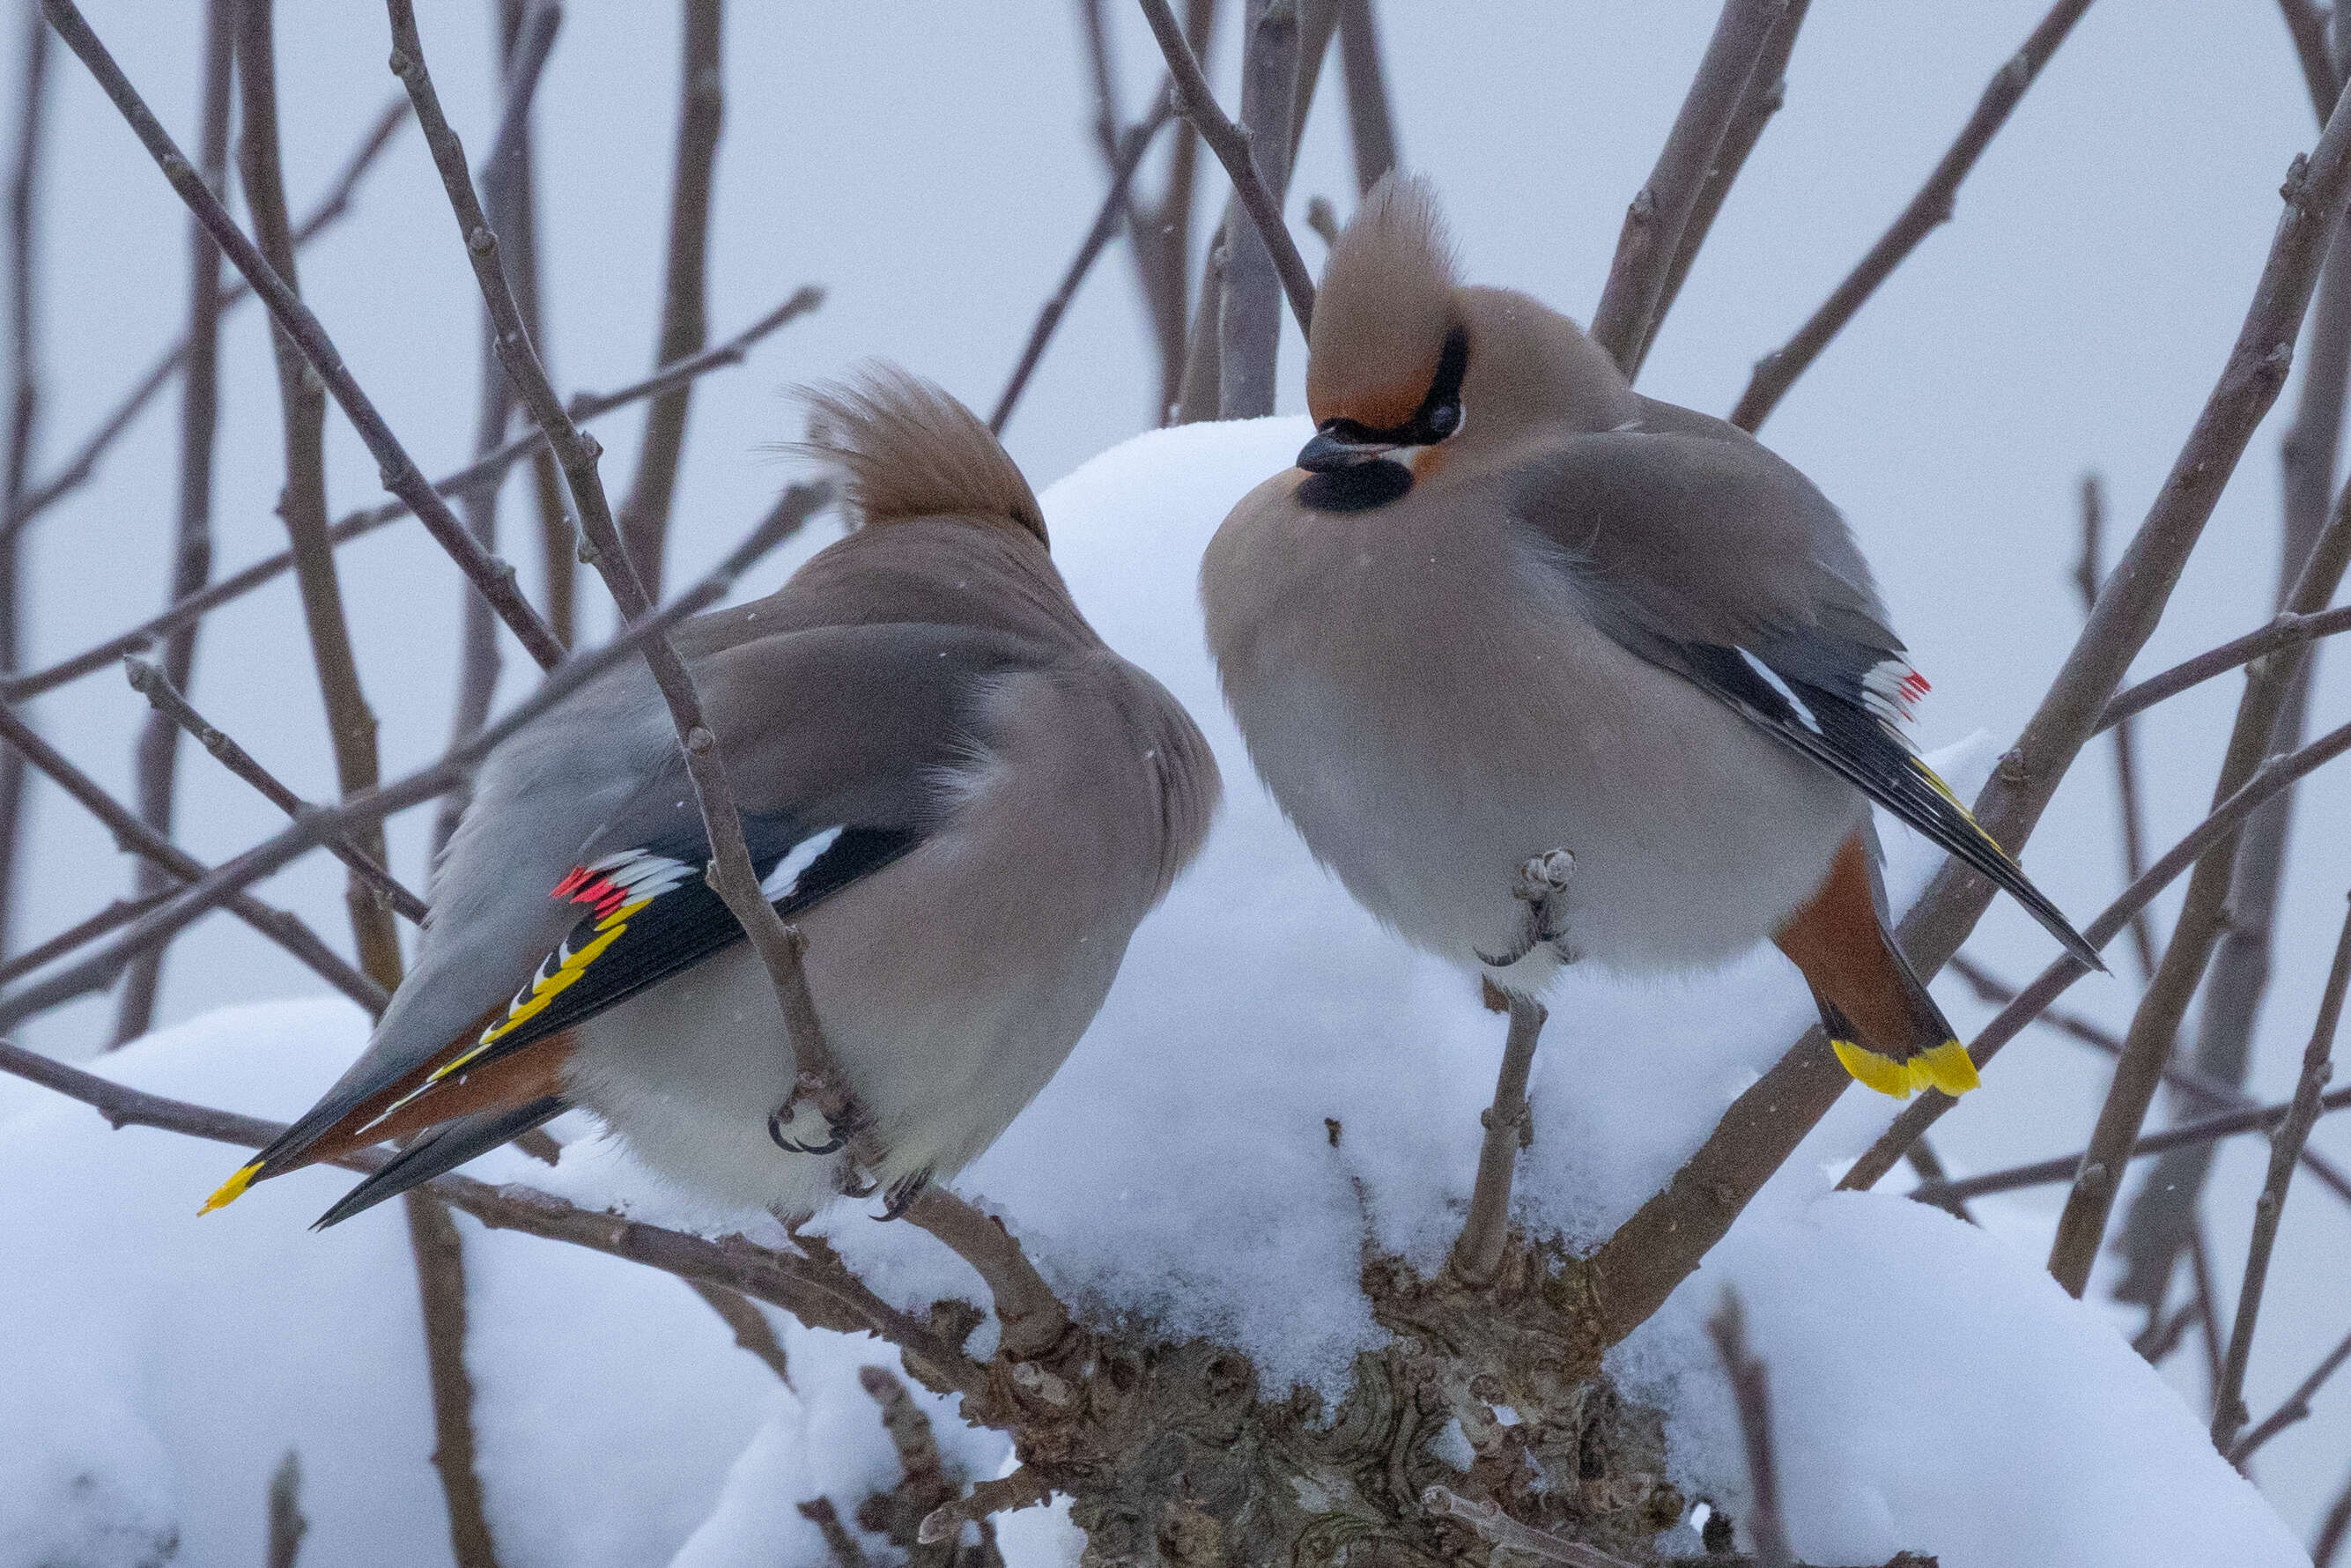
(1478, 1252)
(839, 1129)
(1539, 885)
(903, 1194)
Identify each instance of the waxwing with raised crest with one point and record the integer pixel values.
(1548, 670)
(963, 798)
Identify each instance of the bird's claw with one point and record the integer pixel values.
(1540, 883)
(837, 1133)
(903, 1194)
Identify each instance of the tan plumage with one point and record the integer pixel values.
(1508, 606)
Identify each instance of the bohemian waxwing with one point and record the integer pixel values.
(1547, 670)
(961, 796)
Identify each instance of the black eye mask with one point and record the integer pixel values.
(1370, 482)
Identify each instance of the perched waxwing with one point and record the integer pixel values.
(1547, 670)
(958, 793)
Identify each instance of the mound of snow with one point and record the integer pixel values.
(1271, 1075)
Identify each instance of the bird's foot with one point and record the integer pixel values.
(903, 1194)
(1540, 885)
(838, 1129)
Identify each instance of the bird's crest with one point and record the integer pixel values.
(1386, 306)
(905, 448)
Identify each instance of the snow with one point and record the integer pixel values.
(1272, 1077)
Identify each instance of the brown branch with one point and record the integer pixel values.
(137, 838)
(2180, 1135)
(1751, 1390)
(586, 405)
(1371, 125)
(24, 417)
(2087, 577)
(495, 579)
(846, 1552)
(1004, 1494)
(818, 1290)
(1767, 91)
(752, 1330)
(1107, 218)
(2333, 1531)
(227, 880)
(287, 1524)
(440, 1257)
(1197, 394)
(82, 466)
(1318, 24)
(2287, 630)
(173, 709)
(2207, 1302)
(2305, 22)
(2215, 1094)
(921, 1475)
(2220, 828)
(302, 504)
(113, 917)
(2229, 1412)
(1232, 147)
(1158, 232)
(1929, 209)
(1492, 1524)
(155, 759)
(2081, 1229)
(1477, 1252)
(2294, 1408)
(1627, 312)
(1249, 325)
(684, 326)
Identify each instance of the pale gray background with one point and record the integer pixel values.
(931, 166)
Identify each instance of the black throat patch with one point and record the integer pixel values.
(1359, 487)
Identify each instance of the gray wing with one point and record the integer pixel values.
(1710, 556)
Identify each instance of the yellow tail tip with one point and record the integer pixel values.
(1947, 1067)
(1872, 1070)
(233, 1188)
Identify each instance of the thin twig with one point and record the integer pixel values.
(155, 759)
(136, 837)
(1767, 91)
(1004, 1494)
(2305, 22)
(1477, 1252)
(23, 418)
(2087, 577)
(2333, 1531)
(440, 1254)
(113, 917)
(1231, 146)
(174, 709)
(818, 1290)
(302, 503)
(917, 1446)
(1196, 397)
(231, 878)
(1107, 218)
(2213, 1094)
(1491, 1523)
(586, 405)
(331, 208)
(1929, 209)
(2286, 631)
(1318, 24)
(2229, 1412)
(685, 321)
(1371, 124)
(752, 1330)
(2207, 1302)
(2220, 827)
(495, 579)
(1249, 325)
(287, 1524)
(1158, 230)
(1627, 312)
(2296, 1406)
(2196, 1130)
(1751, 1390)
(846, 1552)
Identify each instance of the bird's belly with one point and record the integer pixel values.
(1694, 834)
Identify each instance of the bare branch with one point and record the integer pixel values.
(1371, 125)
(2229, 1412)
(1249, 325)
(2286, 631)
(1113, 212)
(226, 881)
(1005, 1494)
(138, 839)
(113, 917)
(1750, 1390)
(1477, 1252)
(287, 1524)
(2087, 577)
(819, 1291)
(2305, 22)
(1767, 90)
(1929, 209)
(2333, 1531)
(401, 476)
(752, 1330)
(1197, 394)
(2220, 827)
(684, 326)
(586, 405)
(1492, 1523)
(174, 709)
(1627, 312)
(24, 417)
(78, 469)
(2295, 1406)
(1231, 146)
(155, 760)
(440, 1254)
(846, 1552)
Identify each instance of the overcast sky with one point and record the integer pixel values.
(931, 166)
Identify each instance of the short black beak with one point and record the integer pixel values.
(1329, 452)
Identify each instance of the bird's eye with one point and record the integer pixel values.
(1444, 420)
